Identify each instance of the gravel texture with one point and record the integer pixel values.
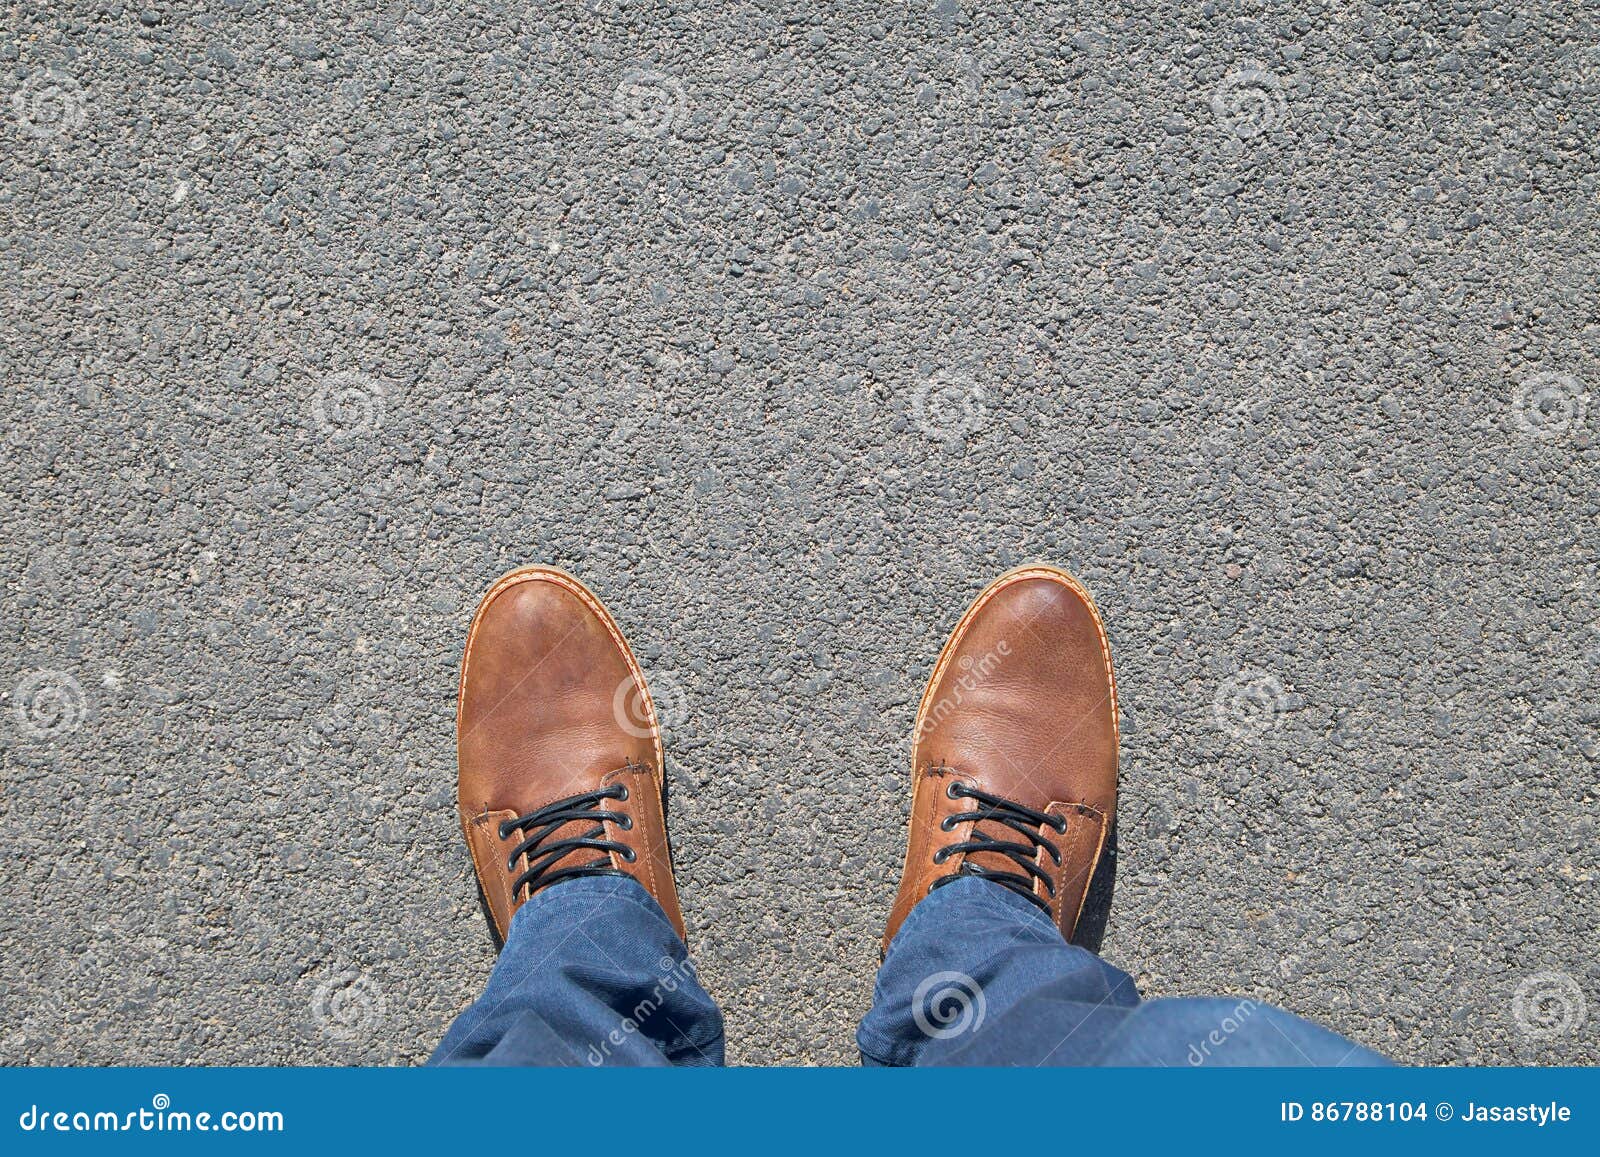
(1277, 324)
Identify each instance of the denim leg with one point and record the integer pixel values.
(979, 976)
(591, 974)
(1228, 1032)
(969, 954)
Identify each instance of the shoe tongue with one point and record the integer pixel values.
(575, 829)
(995, 863)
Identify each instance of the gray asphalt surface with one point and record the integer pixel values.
(786, 332)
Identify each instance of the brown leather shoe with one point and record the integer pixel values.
(557, 747)
(1014, 757)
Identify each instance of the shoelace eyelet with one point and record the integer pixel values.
(546, 842)
(992, 813)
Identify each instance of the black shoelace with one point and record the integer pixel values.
(1025, 821)
(538, 826)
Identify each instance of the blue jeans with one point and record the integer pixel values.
(592, 974)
